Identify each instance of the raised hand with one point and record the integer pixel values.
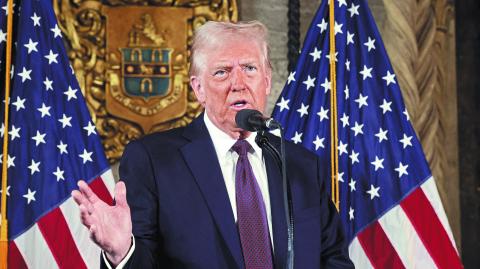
(110, 226)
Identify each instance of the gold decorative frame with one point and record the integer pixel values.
(83, 24)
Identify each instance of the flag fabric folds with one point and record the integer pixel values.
(389, 202)
(52, 144)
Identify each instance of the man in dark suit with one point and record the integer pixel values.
(206, 196)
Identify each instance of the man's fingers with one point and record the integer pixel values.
(87, 192)
(85, 216)
(78, 197)
(121, 194)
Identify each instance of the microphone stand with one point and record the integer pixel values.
(263, 142)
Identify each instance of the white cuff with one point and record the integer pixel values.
(124, 261)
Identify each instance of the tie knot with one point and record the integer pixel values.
(241, 147)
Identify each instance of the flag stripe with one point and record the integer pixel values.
(88, 250)
(101, 190)
(358, 256)
(378, 248)
(430, 190)
(430, 230)
(59, 239)
(406, 243)
(35, 251)
(15, 259)
(109, 181)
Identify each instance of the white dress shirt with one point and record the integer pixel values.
(228, 160)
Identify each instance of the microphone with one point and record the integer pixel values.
(252, 120)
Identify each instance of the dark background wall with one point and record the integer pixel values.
(468, 85)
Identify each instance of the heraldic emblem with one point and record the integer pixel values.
(131, 60)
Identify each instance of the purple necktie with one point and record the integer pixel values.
(251, 213)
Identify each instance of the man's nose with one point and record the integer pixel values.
(238, 79)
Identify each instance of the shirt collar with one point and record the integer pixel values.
(223, 142)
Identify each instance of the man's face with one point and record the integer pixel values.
(233, 77)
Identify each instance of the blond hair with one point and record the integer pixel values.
(213, 32)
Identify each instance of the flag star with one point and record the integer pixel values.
(405, 112)
(35, 19)
(31, 46)
(14, 133)
(86, 156)
(370, 44)
(297, 138)
(8, 187)
(326, 85)
(354, 157)
(342, 148)
(341, 3)
(338, 28)
(10, 161)
(283, 104)
(65, 121)
(350, 213)
(90, 128)
(389, 78)
(361, 100)
(334, 57)
(25, 74)
(347, 92)
(291, 77)
(39, 138)
(319, 142)
(52, 57)
(316, 54)
(352, 185)
(347, 64)
(30, 196)
(71, 93)
(382, 135)
(48, 84)
(378, 163)
(62, 147)
(56, 31)
(353, 10)
(357, 128)
(344, 120)
(373, 192)
(2, 130)
(402, 169)
(19, 104)
(350, 38)
(340, 177)
(323, 26)
(386, 106)
(303, 110)
(5, 7)
(45, 110)
(3, 36)
(366, 72)
(323, 113)
(34, 167)
(12, 71)
(310, 82)
(406, 140)
(59, 174)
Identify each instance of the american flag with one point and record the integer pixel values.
(52, 144)
(389, 202)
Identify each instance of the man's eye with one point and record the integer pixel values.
(219, 73)
(250, 68)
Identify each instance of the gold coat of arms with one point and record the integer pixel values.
(131, 60)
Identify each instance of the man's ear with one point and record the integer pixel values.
(198, 89)
(268, 81)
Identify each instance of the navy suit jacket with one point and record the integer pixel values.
(182, 216)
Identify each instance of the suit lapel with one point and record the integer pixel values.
(279, 224)
(202, 160)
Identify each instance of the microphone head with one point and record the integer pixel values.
(243, 119)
